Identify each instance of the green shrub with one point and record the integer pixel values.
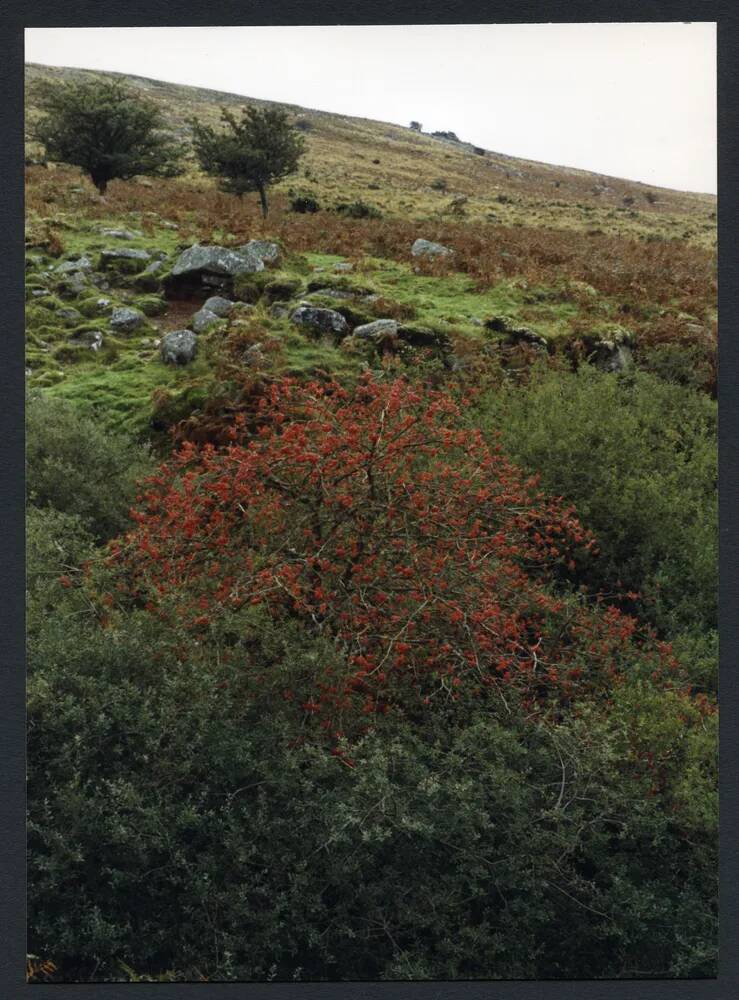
(681, 364)
(76, 467)
(177, 821)
(57, 546)
(638, 458)
(358, 210)
(304, 203)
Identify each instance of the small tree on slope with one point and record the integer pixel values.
(105, 129)
(260, 149)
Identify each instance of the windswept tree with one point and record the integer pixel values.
(106, 129)
(251, 153)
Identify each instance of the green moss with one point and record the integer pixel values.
(89, 306)
(249, 287)
(49, 378)
(150, 305)
(281, 289)
(72, 354)
(49, 333)
(120, 394)
(52, 302)
(122, 266)
(148, 282)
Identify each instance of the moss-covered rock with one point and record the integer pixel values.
(150, 305)
(95, 305)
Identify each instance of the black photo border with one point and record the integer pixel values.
(15, 17)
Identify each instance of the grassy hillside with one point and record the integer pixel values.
(554, 249)
(395, 169)
(404, 666)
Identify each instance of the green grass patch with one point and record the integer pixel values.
(120, 395)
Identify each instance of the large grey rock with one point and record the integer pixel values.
(381, 328)
(218, 305)
(427, 248)
(126, 320)
(120, 234)
(216, 260)
(203, 319)
(268, 253)
(71, 266)
(322, 320)
(178, 347)
(124, 253)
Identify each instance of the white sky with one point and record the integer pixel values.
(631, 100)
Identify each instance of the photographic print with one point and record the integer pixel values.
(372, 546)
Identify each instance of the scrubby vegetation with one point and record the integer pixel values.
(375, 638)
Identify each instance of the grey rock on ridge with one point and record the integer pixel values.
(178, 347)
(120, 234)
(322, 320)
(427, 248)
(267, 252)
(203, 319)
(70, 266)
(126, 320)
(124, 253)
(216, 260)
(380, 328)
(218, 305)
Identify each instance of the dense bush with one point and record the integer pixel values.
(358, 210)
(187, 816)
(637, 457)
(77, 467)
(304, 203)
(177, 823)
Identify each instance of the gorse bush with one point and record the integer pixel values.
(76, 467)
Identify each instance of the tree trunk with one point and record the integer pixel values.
(101, 183)
(263, 200)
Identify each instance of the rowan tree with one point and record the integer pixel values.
(372, 517)
(106, 129)
(251, 153)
